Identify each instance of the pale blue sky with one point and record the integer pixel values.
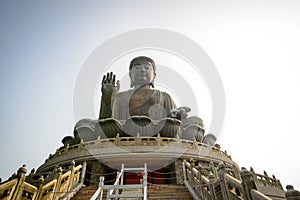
(254, 45)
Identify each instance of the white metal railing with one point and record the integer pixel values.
(113, 190)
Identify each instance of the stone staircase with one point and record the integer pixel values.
(85, 193)
(162, 191)
(168, 191)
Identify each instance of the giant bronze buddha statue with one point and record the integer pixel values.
(142, 100)
(141, 110)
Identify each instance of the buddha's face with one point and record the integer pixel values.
(142, 73)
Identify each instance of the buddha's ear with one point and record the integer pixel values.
(131, 83)
(152, 82)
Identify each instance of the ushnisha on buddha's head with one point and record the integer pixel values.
(142, 72)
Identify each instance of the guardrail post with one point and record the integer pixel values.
(158, 139)
(117, 140)
(211, 187)
(236, 172)
(184, 171)
(101, 184)
(21, 175)
(291, 193)
(122, 179)
(72, 169)
(145, 181)
(247, 182)
(138, 140)
(122, 168)
(117, 190)
(192, 172)
(213, 169)
(98, 194)
(179, 173)
(221, 173)
(199, 187)
(81, 145)
(83, 171)
(57, 175)
(40, 185)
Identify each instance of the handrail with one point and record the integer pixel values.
(186, 182)
(265, 180)
(119, 175)
(99, 192)
(118, 184)
(72, 192)
(231, 188)
(8, 186)
(191, 190)
(62, 185)
(236, 186)
(257, 195)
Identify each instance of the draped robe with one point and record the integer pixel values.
(143, 102)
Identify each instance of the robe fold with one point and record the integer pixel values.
(143, 102)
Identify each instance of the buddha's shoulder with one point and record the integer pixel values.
(161, 93)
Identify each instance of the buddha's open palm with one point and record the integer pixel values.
(109, 84)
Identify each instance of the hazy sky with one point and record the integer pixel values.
(253, 44)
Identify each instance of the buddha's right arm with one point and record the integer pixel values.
(105, 107)
(109, 88)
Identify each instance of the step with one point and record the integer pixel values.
(155, 192)
(165, 191)
(85, 193)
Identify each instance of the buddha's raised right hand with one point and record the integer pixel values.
(109, 84)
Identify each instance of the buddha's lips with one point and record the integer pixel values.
(142, 75)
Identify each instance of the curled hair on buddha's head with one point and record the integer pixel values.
(143, 58)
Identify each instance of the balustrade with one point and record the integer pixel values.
(225, 186)
(136, 141)
(62, 185)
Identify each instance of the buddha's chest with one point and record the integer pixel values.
(142, 99)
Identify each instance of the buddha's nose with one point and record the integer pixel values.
(142, 69)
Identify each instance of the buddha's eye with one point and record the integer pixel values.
(146, 67)
(136, 66)
(139, 66)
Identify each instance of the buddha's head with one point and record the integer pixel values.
(142, 72)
